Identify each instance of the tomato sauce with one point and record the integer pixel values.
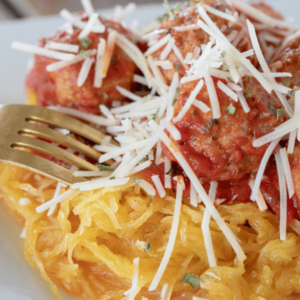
(60, 87)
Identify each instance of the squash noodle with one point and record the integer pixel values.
(87, 247)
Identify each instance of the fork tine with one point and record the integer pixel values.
(57, 137)
(38, 164)
(49, 149)
(58, 119)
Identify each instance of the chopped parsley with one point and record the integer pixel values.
(153, 117)
(192, 280)
(286, 82)
(135, 181)
(177, 67)
(85, 42)
(292, 91)
(223, 54)
(231, 109)
(162, 18)
(228, 79)
(279, 113)
(174, 102)
(105, 168)
(225, 68)
(249, 78)
(143, 160)
(83, 54)
(111, 178)
(176, 7)
(178, 90)
(105, 96)
(248, 93)
(169, 11)
(147, 247)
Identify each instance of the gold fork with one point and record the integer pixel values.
(21, 124)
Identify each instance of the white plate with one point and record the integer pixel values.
(19, 281)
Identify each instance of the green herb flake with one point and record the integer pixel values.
(135, 181)
(231, 109)
(279, 113)
(177, 67)
(225, 68)
(153, 117)
(147, 247)
(105, 96)
(176, 7)
(223, 54)
(143, 160)
(178, 90)
(111, 178)
(248, 93)
(249, 78)
(169, 11)
(291, 91)
(192, 280)
(85, 42)
(105, 168)
(174, 102)
(83, 54)
(228, 79)
(286, 82)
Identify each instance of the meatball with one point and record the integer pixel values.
(221, 149)
(288, 60)
(60, 87)
(187, 41)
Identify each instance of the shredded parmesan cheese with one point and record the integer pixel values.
(84, 71)
(225, 89)
(62, 47)
(215, 106)
(173, 233)
(287, 172)
(159, 186)
(205, 227)
(261, 170)
(135, 278)
(261, 203)
(219, 13)
(56, 200)
(106, 59)
(283, 197)
(42, 51)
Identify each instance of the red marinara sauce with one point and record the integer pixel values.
(221, 149)
(60, 87)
